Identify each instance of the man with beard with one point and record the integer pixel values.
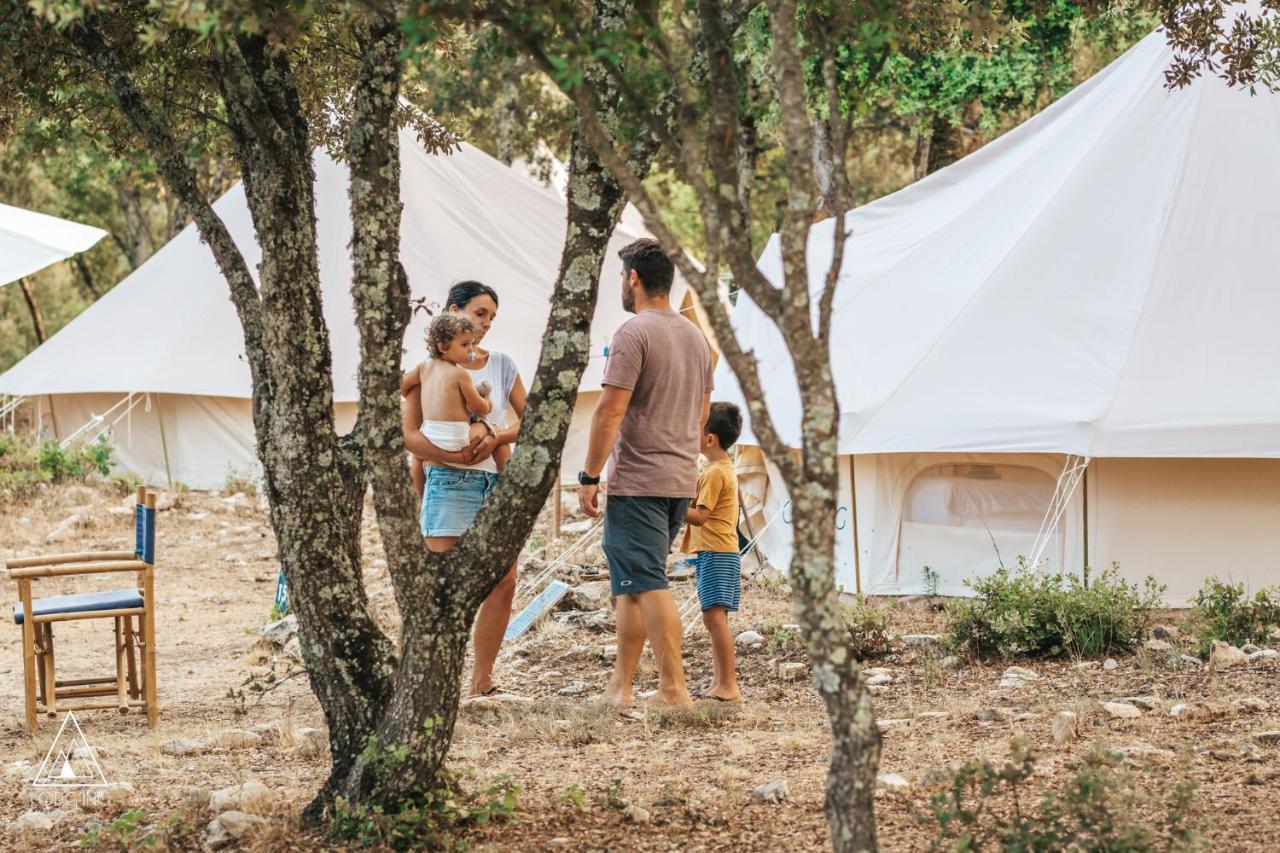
(648, 425)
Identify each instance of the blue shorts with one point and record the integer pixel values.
(452, 498)
(638, 532)
(719, 580)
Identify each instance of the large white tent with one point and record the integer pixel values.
(161, 354)
(31, 241)
(1099, 283)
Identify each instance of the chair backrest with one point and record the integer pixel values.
(144, 526)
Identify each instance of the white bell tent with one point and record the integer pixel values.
(31, 241)
(159, 359)
(1079, 317)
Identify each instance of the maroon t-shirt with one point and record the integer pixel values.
(664, 360)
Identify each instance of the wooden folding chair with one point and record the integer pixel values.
(131, 608)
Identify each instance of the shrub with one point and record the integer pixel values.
(1223, 612)
(238, 482)
(75, 463)
(868, 627)
(25, 464)
(979, 806)
(1022, 612)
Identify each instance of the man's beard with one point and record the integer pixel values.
(628, 300)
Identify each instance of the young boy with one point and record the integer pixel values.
(713, 535)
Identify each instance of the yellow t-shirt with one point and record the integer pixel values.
(718, 492)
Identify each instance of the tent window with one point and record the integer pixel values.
(963, 520)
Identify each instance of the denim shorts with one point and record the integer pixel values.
(452, 498)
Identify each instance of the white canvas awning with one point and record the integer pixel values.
(1101, 281)
(31, 241)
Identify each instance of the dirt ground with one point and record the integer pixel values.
(578, 765)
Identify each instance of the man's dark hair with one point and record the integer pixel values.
(725, 423)
(653, 266)
(464, 291)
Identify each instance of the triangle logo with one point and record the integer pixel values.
(70, 762)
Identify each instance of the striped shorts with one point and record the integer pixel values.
(719, 580)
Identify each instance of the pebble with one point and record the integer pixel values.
(750, 639)
(1164, 632)
(1150, 703)
(282, 630)
(1157, 646)
(592, 595)
(1267, 738)
(1251, 703)
(932, 715)
(1121, 710)
(1110, 665)
(1263, 654)
(918, 640)
(182, 746)
(881, 678)
(1085, 665)
(36, 821)
(575, 688)
(636, 814)
(1191, 661)
(792, 671)
(609, 652)
(886, 725)
(989, 715)
(552, 675)
(252, 794)
(949, 662)
(228, 828)
(1250, 648)
(772, 792)
(310, 743)
(892, 783)
(1017, 676)
(239, 739)
(1225, 656)
(1065, 727)
(269, 732)
(1180, 709)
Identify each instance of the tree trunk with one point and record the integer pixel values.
(86, 278)
(37, 318)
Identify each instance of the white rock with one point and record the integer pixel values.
(1263, 654)
(989, 715)
(1267, 738)
(750, 639)
(636, 814)
(892, 783)
(1065, 727)
(873, 671)
(792, 671)
(1121, 710)
(229, 827)
(282, 630)
(609, 651)
(592, 595)
(886, 725)
(1141, 750)
(1157, 646)
(932, 715)
(1017, 676)
(1190, 661)
(877, 680)
(1110, 665)
(772, 792)
(269, 732)
(22, 769)
(918, 640)
(1085, 665)
(196, 795)
(574, 688)
(182, 746)
(36, 821)
(238, 739)
(68, 527)
(1251, 703)
(251, 795)
(1225, 656)
(1250, 648)
(1149, 703)
(1180, 709)
(576, 527)
(311, 743)
(552, 675)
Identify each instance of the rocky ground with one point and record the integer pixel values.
(229, 765)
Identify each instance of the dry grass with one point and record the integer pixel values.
(579, 763)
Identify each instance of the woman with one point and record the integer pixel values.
(456, 484)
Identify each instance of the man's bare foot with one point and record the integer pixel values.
(672, 698)
(617, 698)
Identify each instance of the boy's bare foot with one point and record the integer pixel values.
(721, 695)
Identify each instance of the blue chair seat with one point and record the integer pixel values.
(83, 602)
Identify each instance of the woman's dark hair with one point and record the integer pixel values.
(464, 291)
(725, 423)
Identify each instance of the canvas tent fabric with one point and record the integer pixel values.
(1097, 282)
(31, 241)
(466, 216)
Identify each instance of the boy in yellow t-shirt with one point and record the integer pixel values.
(713, 535)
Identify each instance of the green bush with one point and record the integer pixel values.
(1223, 612)
(20, 471)
(1022, 612)
(979, 806)
(24, 464)
(75, 463)
(868, 627)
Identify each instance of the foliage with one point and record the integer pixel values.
(25, 464)
(431, 822)
(1101, 808)
(137, 830)
(1023, 612)
(240, 483)
(868, 627)
(1223, 612)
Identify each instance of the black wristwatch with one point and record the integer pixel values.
(584, 480)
